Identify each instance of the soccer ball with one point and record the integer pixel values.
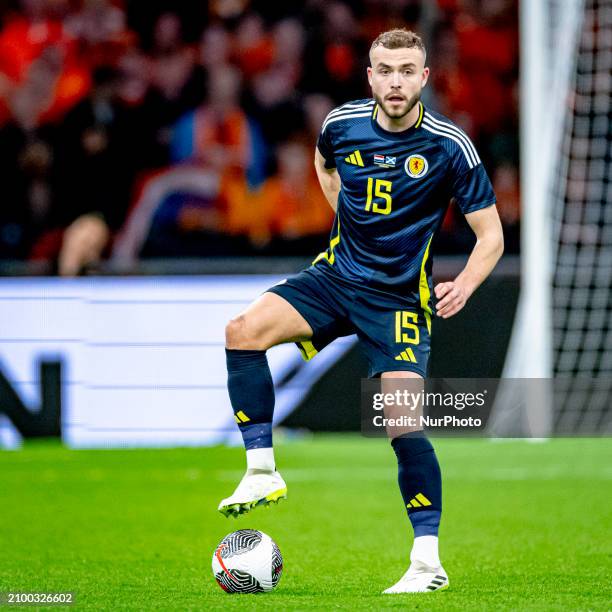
(247, 561)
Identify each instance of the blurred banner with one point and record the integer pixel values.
(143, 360)
(143, 363)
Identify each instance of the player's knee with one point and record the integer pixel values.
(235, 332)
(240, 333)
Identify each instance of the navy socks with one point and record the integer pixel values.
(251, 392)
(419, 481)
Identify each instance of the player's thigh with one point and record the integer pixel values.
(267, 321)
(398, 374)
(396, 342)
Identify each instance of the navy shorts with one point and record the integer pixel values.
(394, 332)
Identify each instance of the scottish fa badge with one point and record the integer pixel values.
(384, 161)
(416, 166)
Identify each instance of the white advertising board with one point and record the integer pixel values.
(143, 358)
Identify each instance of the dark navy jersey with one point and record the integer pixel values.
(396, 187)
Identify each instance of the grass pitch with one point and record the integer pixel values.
(525, 526)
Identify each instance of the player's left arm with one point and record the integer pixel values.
(329, 179)
(488, 249)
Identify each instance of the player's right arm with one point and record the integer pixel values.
(473, 193)
(329, 179)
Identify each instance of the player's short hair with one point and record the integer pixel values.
(399, 38)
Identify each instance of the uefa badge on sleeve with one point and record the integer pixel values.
(416, 166)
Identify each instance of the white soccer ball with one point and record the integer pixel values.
(247, 561)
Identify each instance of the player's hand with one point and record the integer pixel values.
(452, 297)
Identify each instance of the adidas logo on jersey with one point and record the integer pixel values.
(355, 159)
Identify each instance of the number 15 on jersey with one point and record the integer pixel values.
(379, 189)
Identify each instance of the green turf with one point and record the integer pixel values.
(526, 526)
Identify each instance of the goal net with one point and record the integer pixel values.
(562, 332)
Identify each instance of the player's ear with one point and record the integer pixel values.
(370, 75)
(425, 76)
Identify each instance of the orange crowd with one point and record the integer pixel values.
(167, 129)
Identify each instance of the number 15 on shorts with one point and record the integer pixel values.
(406, 328)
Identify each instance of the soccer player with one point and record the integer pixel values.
(388, 167)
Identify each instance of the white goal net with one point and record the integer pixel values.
(562, 328)
(582, 213)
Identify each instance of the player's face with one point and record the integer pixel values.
(397, 77)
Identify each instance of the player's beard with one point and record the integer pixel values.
(400, 112)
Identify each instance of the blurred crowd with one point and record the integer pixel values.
(133, 129)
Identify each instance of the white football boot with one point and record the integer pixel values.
(257, 488)
(420, 578)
